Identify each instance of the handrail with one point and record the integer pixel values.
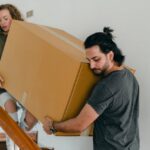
(15, 132)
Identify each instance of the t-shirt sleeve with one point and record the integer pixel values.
(100, 98)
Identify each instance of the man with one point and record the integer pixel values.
(114, 102)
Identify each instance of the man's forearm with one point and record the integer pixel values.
(71, 125)
(77, 124)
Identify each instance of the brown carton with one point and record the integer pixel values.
(46, 70)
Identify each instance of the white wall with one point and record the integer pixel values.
(129, 19)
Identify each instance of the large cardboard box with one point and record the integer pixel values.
(46, 71)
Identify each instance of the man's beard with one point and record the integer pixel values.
(98, 72)
(101, 72)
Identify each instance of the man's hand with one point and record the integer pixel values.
(1, 81)
(47, 125)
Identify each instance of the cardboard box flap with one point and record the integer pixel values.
(70, 37)
(53, 37)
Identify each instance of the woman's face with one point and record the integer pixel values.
(5, 20)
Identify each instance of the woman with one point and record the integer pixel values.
(9, 12)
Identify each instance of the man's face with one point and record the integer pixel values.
(5, 20)
(100, 63)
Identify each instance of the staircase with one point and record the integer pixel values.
(12, 129)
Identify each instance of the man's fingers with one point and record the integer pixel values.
(47, 124)
(47, 129)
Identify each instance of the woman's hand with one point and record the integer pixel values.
(1, 81)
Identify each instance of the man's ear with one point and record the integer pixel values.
(111, 55)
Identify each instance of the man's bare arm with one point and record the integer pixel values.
(77, 124)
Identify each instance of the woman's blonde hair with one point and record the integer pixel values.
(14, 12)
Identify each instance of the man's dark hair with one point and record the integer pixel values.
(106, 44)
